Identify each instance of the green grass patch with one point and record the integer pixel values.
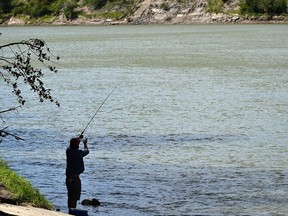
(115, 15)
(23, 191)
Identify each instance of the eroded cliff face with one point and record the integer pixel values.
(174, 12)
(193, 12)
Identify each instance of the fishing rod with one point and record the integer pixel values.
(81, 135)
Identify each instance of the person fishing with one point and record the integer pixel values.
(75, 163)
(74, 167)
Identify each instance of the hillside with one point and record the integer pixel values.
(154, 12)
(159, 11)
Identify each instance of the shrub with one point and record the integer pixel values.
(33, 8)
(215, 6)
(270, 7)
(115, 15)
(95, 4)
(165, 6)
(69, 9)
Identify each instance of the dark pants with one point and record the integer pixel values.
(73, 184)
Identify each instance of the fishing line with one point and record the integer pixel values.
(81, 135)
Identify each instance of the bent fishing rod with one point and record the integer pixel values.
(81, 135)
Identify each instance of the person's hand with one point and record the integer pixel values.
(85, 142)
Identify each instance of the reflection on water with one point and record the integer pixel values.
(198, 126)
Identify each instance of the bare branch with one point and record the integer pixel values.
(4, 133)
(10, 109)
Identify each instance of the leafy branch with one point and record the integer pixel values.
(19, 60)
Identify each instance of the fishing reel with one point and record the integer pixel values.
(81, 138)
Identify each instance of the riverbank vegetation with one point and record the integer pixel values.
(22, 190)
(71, 9)
(252, 7)
(46, 10)
(269, 7)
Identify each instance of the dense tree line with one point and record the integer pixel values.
(270, 7)
(37, 8)
(252, 7)
(40, 8)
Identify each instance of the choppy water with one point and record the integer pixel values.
(197, 126)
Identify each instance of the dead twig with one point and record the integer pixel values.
(4, 133)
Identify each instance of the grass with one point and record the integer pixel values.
(23, 191)
(115, 15)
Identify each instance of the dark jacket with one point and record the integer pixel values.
(74, 160)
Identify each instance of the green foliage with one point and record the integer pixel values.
(69, 9)
(20, 66)
(33, 8)
(45, 8)
(95, 4)
(5, 6)
(36, 8)
(122, 8)
(115, 15)
(165, 6)
(21, 188)
(117, 9)
(270, 7)
(215, 6)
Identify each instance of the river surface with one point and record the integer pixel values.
(198, 124)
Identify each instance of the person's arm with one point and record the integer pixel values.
(86, 150)
(85, 142)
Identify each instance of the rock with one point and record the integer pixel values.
(6, 196)
(61, 20)
(93, 202)
(13, 21)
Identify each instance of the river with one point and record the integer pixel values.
(198, 124)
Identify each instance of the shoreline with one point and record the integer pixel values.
(179, 19)
(145, 12)
(19, 197)
(16, 210)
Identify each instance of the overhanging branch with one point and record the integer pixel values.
(4, 133)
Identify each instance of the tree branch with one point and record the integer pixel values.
(10, 109)
(20, 64)
(4, 133)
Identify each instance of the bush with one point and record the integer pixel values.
(95, 4)
(215, 6)
(33, 8)
(117, 15)
(5, 7)
(69, 9)
(269, 7)
(165, 6)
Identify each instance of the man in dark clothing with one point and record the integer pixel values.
(74, 167)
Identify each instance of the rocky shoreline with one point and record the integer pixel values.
(180, 19)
